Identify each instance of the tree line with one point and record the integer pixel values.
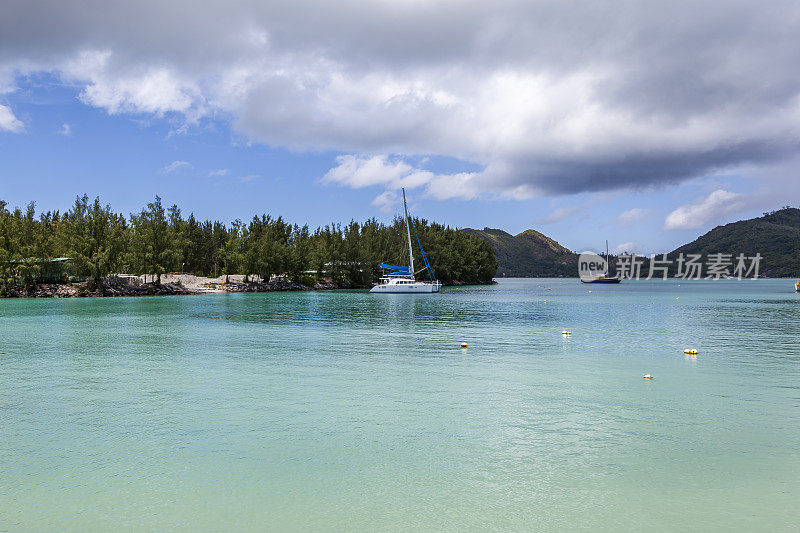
(99, 241)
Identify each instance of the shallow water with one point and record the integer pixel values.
(349, 411)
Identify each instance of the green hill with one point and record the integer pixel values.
(776, 236)
(529, 254)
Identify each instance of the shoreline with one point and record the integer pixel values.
(171, 285)
(83, 290)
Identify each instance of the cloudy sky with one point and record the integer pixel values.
(646, 123)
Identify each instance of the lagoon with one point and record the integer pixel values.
(343, 411)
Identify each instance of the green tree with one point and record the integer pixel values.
(155, 239)
(96, 238)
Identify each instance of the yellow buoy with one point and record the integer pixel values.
(691, 351)
(565, 332)
(647, 376)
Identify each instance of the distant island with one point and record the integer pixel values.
(775, 235)
(529, 254)
(90, 250)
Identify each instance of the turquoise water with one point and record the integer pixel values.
(349, 411)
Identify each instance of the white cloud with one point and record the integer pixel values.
(634, 215)
(218, 172)
(626, 247)
(463, 185)
(8, 122)
(541, 97)
(180, 130)
(65, 130)
(386, 201)
(175, 166)
(249, 177)
(133, 89)
(713, 207)
(358, 172)
(393, 173)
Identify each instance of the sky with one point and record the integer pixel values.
(644, 123)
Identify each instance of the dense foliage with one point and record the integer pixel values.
(776, 236)
(156, 240)
(529, 254)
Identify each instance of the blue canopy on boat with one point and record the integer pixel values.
(398, 268)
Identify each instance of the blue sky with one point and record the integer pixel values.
(571, 130)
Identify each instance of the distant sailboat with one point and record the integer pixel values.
(401, 278)
(603, 278)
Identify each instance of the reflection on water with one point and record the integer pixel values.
(350, 411)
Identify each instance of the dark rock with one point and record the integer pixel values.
(274, 286)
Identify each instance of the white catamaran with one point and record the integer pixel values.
(401, 278)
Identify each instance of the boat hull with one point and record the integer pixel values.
(601, 280)
(410, 288)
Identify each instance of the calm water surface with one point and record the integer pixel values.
(349, 411)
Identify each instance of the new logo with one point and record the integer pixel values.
(591, 266)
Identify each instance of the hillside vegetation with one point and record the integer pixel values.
(529, 254)
(776, 236)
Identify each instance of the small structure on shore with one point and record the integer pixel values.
(125, 279)
(42, 270)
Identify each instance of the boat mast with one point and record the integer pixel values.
(608, 261)
(408, 232)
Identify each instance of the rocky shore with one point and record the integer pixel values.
(80, 290)
(111, 289)
(276, 286)
(171, 284)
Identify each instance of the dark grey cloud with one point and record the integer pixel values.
(549, 97)
(636, 170)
